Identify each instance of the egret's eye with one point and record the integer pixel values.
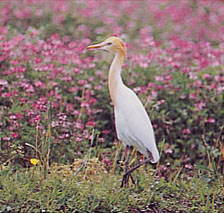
(109, 43)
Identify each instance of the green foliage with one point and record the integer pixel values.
(25, 191)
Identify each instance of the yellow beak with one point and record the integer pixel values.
(95, 46)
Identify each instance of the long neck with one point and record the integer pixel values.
(114, 78)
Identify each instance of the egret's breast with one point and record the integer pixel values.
(123, 110)
(121, 127)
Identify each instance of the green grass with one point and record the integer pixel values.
(95, 190)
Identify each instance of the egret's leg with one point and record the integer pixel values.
(126, 164)
(137, 166)
(128, 173)
(126, 178)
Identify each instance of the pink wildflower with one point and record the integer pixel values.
(186, 131)
(210, 120)
(91, 123)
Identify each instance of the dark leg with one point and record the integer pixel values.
(128, 173)
(125, 182)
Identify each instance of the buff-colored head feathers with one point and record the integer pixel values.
(112, 44)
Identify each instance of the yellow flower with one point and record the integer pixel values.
(34, 161)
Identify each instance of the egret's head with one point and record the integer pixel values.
(112, 44)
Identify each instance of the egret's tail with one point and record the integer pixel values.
(155, 155)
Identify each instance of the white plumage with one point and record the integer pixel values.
(132, 123)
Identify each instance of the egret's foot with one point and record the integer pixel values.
(125, 179)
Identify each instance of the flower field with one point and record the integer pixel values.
(55, 105)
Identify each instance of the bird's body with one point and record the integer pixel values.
(133, 125)
(135, 118)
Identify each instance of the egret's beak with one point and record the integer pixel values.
(95, 46)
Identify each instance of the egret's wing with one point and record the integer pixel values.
(133, 124)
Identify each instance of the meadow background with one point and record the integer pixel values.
(55, 105)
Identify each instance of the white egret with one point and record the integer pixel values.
(132, 123)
